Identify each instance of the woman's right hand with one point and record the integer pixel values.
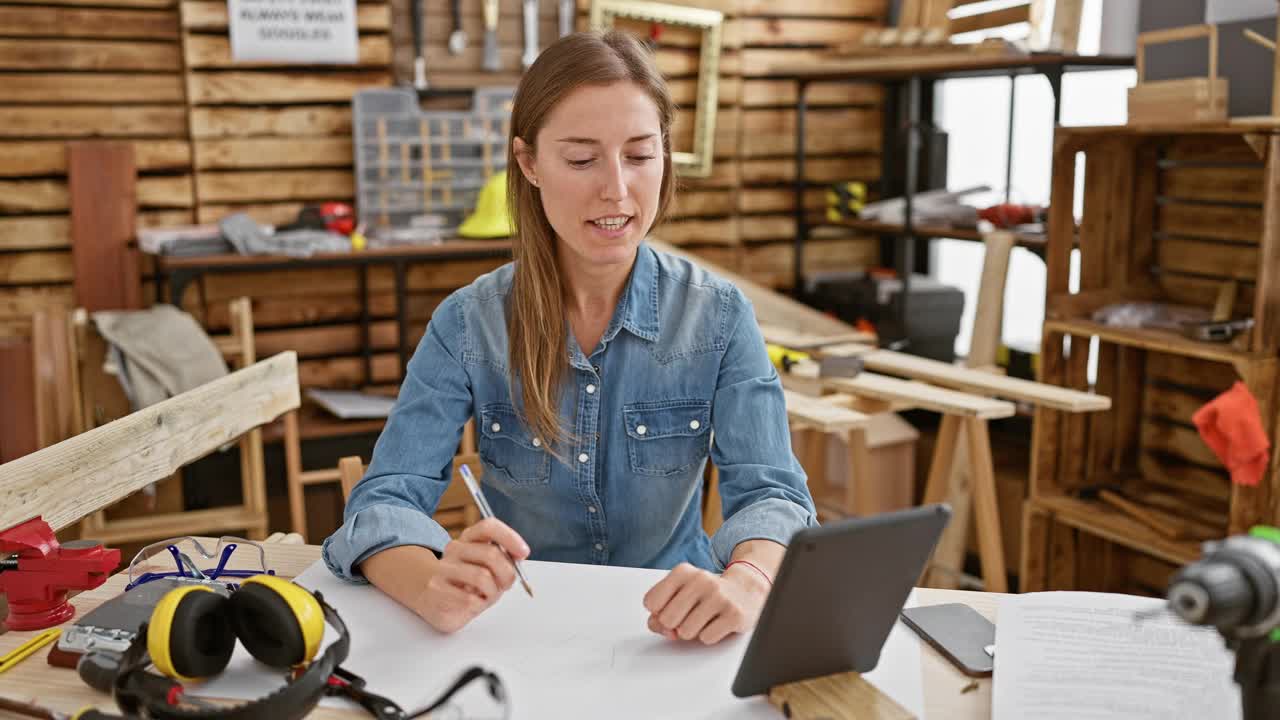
(470, 576)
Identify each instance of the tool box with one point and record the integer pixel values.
(934, 308)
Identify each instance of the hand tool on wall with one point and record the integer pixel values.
(530, 33)
(419, 54)
(492, 62)
(457, 38)
(568, 13)
(37, 580)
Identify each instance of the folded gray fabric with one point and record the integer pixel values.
(158, 353)
(249, 238)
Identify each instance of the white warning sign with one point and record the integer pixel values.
(293, 31)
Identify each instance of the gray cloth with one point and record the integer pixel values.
(158, 353)
(249, 238)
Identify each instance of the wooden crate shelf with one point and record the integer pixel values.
(1171, 215)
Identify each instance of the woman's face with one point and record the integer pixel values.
(599, 171)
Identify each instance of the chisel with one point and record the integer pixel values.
(567, 13)
(419, 56)
(457, 38)
(492, 62)
(530, 33)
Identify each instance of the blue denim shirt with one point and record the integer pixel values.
(680, 374)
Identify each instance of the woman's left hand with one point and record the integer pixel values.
(690, 603)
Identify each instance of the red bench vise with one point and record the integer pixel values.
(36, 582)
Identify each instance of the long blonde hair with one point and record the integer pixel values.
(536, 323)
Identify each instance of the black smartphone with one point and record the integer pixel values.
(958, 632)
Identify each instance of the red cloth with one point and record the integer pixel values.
(1231, 426)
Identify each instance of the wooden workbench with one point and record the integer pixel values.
(948, 693)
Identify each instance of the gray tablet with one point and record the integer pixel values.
(836, 597)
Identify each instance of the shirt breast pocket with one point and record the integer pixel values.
(667, 437)
(509, 450)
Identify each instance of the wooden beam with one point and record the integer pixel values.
(17, 432)
(92, 24)
(27, 54)
(279, 87)
(101, 178)
(821, 415)
(88, 472)
(1267, 297)
(921, 395)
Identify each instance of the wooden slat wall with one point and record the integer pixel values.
(1208, 219)
(843, 133)
(112, 70)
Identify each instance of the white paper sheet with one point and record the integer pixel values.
(579, 649)
(1082, 656)
(352, 405)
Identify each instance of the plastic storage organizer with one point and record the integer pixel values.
(417, 167)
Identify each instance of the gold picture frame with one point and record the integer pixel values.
(603, 13)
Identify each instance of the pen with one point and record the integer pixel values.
(22, 651)
(487, 512)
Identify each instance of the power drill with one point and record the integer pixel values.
(1235, 588)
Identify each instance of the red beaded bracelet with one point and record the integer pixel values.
(751, 565)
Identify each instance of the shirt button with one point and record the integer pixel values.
(591, 508)
(599, 547)
(597, 369)
(495, 427)
(537, 442)
(694, 425)
(591, 389)
(640, 429)
(582, 458)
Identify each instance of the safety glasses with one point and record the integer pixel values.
(178, 548)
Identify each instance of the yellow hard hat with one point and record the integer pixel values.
(491, 218)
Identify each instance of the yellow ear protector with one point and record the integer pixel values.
(193, 631)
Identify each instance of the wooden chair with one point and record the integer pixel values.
(80, 476)
(100, 400)
(307, 423)
(456, 510)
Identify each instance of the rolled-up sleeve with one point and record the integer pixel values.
(413, 459)
(763, 489)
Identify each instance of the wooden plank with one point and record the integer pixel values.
(17, 382)
(90, 88)
(1208, 221)
(1175, 474)
(348, 372)
(1177, 441)
(449, 274)
(92, 24)
(1208, 258)
(165, 191)
(703, 203)
(1216, 149)
(260, 186)
(23, 301)
(817, 170)
(984, 383)
(1127, 405)
(212, 15)
(302, 121)
(778, 200)
(991, 19)
(766, 31)
(164, 218)
(88, 472)
(100, 3)
(43, 266)
(772, 144)
(822, 415)
(35, 233)
(49, 157)
(877, 9)
(266, 213)
(1266, 310)
(92, 121)
(214, 51)
(280, 87)
(684, 91)
(32, 196)
(331, 339)
(1190, 372)
(1174, 404)
(274, 153)
(27, 54)
(1139, 257)
(771, 264)
(722, 231)
(1203, 184)
(321, 308)
(782, 93)
(101, 179)
(921, 395)
(55, 402)
(1193, 290)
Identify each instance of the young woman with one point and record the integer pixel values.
(601, 375)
